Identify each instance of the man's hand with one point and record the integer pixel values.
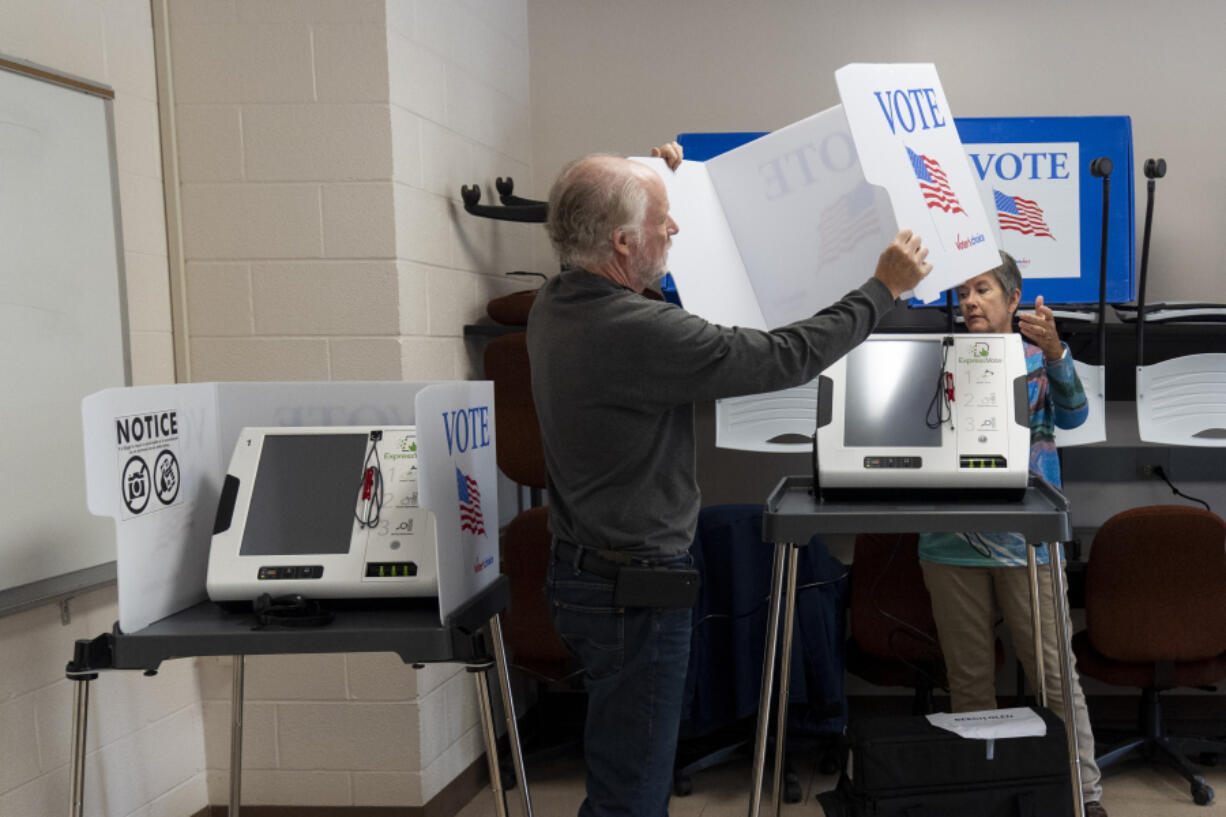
(1040, 327)
(670, 153)
(902, 266)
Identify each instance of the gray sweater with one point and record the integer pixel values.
(615, 377)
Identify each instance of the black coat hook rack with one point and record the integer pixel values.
(513, 208)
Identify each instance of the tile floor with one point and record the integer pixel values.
(557, 790)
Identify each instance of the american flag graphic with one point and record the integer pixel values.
(846, 223)
(933, 183)
(470, 504)
(1023, 215)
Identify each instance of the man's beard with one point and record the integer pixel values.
(647, 272)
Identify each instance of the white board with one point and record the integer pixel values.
(63, 331)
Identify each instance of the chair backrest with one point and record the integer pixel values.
(1156, 585)
(528, 627)
(512, 309)
(519, 454)
(891, 611)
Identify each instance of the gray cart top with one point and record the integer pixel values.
(793, 514)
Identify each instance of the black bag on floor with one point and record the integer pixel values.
(906, 767)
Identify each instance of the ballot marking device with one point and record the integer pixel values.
(326, 512)
(928, 413)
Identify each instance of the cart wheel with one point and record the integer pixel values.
(791, 789)
(506, 765)
(1202, 794)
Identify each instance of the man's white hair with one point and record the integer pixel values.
(593, 197)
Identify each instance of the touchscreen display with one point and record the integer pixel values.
(305, 495)
(890, 386)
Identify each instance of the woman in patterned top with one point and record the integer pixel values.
(970, 574)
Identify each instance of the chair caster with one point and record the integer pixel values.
(1202, 794)
(1207, 759)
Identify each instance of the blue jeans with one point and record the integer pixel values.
(634, 661)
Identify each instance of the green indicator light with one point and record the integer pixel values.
(380, 570)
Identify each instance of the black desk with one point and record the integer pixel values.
(793, 515)
(473, 636)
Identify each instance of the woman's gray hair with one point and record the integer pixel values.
(593, 197)
(1008, 275)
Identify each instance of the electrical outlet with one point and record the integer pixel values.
(1148, 470)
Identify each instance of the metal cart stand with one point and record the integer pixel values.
(414, 633)
(793, 515)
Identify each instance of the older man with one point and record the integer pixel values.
(615, 376)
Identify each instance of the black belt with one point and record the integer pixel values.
(634, 584)
(590, 559)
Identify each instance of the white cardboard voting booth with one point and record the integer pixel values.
(156, 457)
(1093, 379)
(785, 225)
(1182, 401)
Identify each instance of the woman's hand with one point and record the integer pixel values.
(1040, 327)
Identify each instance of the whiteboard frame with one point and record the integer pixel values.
(62, 587)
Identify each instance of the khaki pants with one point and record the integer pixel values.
(963, 599)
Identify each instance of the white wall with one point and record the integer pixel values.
(136, 723)
(361, 729)
(625, 76)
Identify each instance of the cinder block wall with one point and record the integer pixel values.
(321, 149)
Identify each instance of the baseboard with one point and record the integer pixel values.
(447, 803)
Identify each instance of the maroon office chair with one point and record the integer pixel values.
(554, 723)
(893, 635)
(1156, 619)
